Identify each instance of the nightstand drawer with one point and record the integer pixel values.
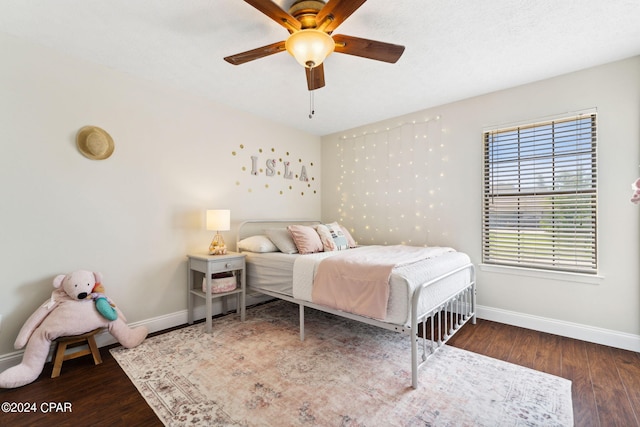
(226, 265)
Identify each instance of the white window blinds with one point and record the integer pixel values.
(540, 188)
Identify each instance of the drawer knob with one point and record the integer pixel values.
(228, 265)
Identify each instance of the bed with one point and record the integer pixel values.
(428, 299)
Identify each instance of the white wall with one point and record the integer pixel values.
(606, 309)
(134, 216)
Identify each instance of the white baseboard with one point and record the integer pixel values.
(558, 327)
(155, 324)
(104, 338)
(567, 329)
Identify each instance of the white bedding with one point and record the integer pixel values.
(292, 275)
(271, 271)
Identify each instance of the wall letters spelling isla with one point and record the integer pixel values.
(270, 169)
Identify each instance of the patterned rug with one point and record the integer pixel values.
(345, 373)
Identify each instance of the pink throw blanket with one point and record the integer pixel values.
(358, 282)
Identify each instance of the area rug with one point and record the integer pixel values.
(345, 373)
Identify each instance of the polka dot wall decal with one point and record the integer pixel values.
(268, 166)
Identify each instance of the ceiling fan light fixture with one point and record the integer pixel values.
(310, 47)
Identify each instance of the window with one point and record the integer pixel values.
(540, 188)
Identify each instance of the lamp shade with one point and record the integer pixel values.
(219, 219)
(310, 47)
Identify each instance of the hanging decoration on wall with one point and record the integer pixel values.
(271, 165)
(94, 143)
(279, 172)
(390, 183)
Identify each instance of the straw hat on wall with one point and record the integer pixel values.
(94, 143)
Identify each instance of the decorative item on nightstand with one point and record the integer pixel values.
(218, 220)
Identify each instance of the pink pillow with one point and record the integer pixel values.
(306, 239)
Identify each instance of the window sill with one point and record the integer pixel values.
(590, 279)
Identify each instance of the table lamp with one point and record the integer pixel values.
(218, 220)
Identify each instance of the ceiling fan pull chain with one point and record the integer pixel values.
(312, 111)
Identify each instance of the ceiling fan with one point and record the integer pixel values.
(310, 24)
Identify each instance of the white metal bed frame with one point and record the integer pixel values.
(450, 314)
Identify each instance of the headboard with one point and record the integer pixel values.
(253, 227)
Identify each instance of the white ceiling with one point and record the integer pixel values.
(455, 49)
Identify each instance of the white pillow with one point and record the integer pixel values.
(258, 243)
(282, 239)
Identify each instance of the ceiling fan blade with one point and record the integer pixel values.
(370, 49)
(274, 12)
(337, 11)
(315, 77)
(250, 55)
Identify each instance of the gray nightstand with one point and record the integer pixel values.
(204, 265)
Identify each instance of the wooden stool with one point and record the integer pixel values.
(62, 343)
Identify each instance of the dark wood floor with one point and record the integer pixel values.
(605, 381)
(605, 389)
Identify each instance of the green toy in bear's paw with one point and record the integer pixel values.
(103, 304)
(105, 309)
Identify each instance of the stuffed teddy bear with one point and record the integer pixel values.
(70, 311)
(635, 198)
